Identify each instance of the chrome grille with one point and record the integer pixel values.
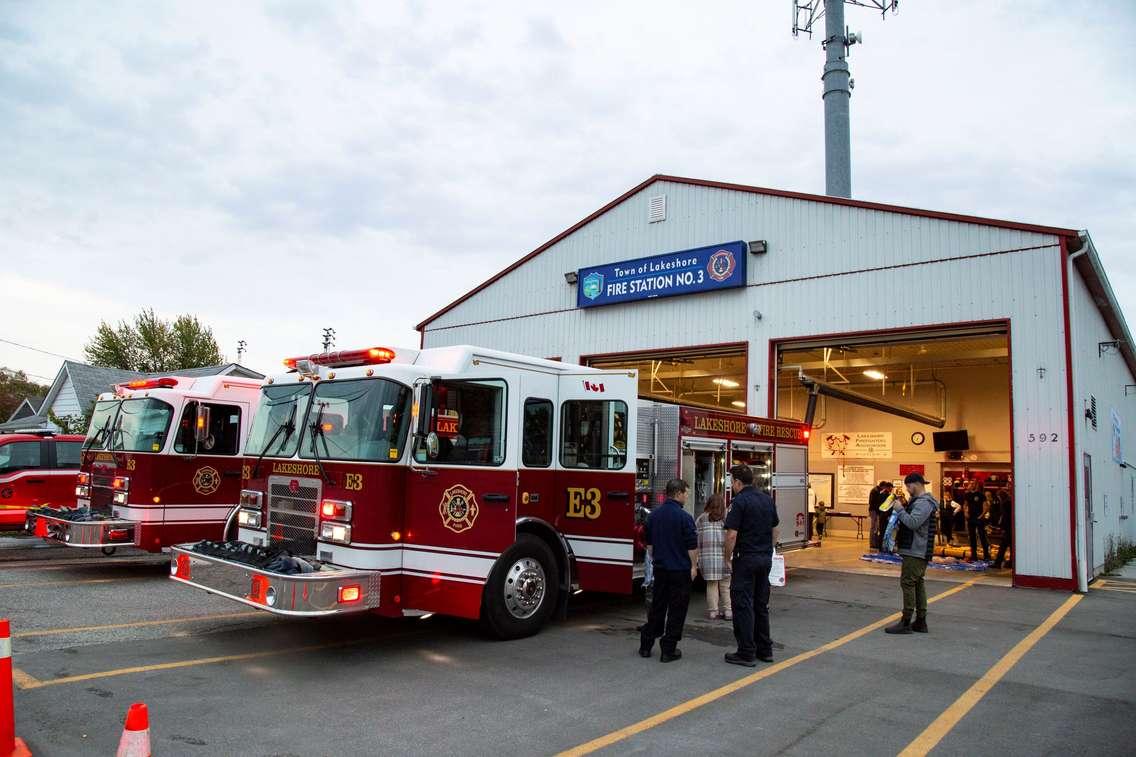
(292, 514)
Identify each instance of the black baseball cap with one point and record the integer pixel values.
(915, 478)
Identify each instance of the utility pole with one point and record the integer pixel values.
(328, 339)
(837, 83)
(241, 345)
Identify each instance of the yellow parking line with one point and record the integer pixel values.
(25, 681)
(943, 724)
(711, 696)
(138, 624)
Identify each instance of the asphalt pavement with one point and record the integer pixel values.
(93, 634)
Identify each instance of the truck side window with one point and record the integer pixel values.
(68, 454)
(469, 419)
(593, 434)
(224, 431)
(536, 443)
(19, 456)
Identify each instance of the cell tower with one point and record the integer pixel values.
(838, 85)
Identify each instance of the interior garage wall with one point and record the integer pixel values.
(977, 399)
(830, 269)
(1104, 377)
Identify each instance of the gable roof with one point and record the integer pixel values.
(89, 381)
(883, 207)
(27, 407)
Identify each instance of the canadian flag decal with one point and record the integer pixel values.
(590, 387)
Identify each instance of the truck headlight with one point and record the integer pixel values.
(119, 498)
(250, 498)
(83, 491)
(339, 533)
(248, 518)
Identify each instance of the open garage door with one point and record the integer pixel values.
(936, 402)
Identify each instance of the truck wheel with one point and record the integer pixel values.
(520, 594)
(108, 551)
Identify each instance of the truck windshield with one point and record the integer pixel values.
(365, 419)
(276, 426)
(142, 425)
(102, 422)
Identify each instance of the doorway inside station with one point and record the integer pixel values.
(934, 402)
(704, 471)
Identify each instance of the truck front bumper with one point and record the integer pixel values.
(81, 533)
(329, 591)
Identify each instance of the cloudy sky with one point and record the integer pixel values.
(282, 166)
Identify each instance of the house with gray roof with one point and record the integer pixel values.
(78, 385)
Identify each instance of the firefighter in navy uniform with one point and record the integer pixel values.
(672, 544)
(750, 534)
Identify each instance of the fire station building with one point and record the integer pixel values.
(965, 348)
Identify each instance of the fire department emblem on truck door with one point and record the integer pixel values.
(207, 480)
(721, 265)
(458, 509)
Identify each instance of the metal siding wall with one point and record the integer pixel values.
(810, 239)
(1102, 376)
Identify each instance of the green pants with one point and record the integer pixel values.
(911, 581)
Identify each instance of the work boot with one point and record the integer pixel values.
(903, 625)
(674, 654)
(920, 624)
(736, 659)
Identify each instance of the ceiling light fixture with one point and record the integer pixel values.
(728, 383)
(872, 373)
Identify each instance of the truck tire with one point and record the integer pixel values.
(521, 592)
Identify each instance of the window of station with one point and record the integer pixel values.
(709, 377)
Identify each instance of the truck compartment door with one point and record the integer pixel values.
(790, 492)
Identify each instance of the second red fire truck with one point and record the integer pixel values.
(160, 465)
(457, 480)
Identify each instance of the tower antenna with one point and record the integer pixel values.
(837, 89)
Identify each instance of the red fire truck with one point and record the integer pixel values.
(456, 480)
(161, 464)
(36, 468)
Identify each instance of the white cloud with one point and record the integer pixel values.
(281, 167)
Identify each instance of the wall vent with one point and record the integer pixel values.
(1091, 411)
(657, 209)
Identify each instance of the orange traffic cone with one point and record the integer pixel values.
(10, 744)
(135, 741)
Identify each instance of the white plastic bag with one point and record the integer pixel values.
(777, 570)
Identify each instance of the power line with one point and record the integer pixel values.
(37, 349)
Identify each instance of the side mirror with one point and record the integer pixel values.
(422, 411)
(432, 446)
(201, 424)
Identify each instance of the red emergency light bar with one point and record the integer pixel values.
(154, 383)
(345, 358)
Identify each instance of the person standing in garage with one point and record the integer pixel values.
(672, 543)
(915, 543)
(875, 497)
(1006, 523)
(750, 534)
(975, 525)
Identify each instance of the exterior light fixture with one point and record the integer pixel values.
(728, 383)
(875, 375)
(571, 277)
(758, 247)
(738, 403)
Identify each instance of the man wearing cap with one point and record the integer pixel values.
(915, 542)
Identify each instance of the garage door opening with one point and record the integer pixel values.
(711, 377)
(935, 403)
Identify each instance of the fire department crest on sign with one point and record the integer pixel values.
(207, 480)
(458, 509)
(721, 265)
(593, 285)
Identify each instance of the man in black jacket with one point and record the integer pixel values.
(975, 525)
(750, 534)
(673, 546)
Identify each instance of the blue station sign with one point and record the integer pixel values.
(703, 269)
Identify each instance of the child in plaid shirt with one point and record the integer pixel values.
(711, 562)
